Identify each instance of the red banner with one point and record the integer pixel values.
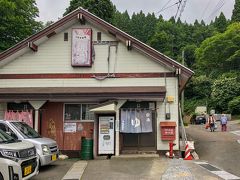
(24, 116)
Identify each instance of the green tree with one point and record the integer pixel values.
(17, 21)
(104, 9)
(220, 53)
(122, 21)
(199, 87)
(225, 89)
(220, 23)
(189, 55)
(234, 106)
(142, 27)
(163, 38)
(236, 12)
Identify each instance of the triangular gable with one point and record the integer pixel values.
(81, 14)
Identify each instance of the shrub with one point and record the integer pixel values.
(234, 106)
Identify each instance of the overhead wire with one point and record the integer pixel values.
(167, 7)
(182, 9)
(179, 5)
(216, 9)
(163, 6)
(205, 9)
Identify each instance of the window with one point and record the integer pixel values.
(74, 112)
(7, 130)
(99, 36)
(65, 36)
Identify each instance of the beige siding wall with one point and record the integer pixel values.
(86, 82)
(162, 108)
(54, 56)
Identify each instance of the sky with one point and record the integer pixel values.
(51, 10)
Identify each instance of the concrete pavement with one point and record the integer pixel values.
(218, 148)
(139, 168)
(151, 168)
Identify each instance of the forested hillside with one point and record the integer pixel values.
(212, 50)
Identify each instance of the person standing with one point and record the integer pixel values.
(223, 121)
(211, 122)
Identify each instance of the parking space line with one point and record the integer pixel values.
(217, 171)
(236, 132)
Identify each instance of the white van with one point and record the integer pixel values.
(18, 160)
(47, 148)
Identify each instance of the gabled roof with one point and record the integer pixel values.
(183, 72)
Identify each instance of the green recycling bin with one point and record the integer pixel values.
(87, 149)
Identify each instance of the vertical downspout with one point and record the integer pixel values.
(165, 103)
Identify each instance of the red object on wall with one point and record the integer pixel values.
(168, 130)
(171, 144)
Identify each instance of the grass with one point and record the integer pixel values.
(236, 117)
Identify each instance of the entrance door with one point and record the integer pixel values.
(141, 141)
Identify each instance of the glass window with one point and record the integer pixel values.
(25, 130)
(78, 112)
(5, 138)
(7, 130)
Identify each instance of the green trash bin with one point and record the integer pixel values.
(87, 149)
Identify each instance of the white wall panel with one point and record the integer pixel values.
(54, 56)
(162, 109)
(82, 82)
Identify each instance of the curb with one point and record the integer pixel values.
(76, 171)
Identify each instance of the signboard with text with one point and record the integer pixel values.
(81, 47)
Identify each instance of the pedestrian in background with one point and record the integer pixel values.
(223, 121)
(211, 122)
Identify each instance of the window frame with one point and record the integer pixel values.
(81, 120)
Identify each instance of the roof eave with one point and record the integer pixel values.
(161, 58)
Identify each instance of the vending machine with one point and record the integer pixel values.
(106, 135)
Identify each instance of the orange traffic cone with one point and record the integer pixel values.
(188, 155)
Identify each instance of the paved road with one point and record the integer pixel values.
(55, 171)
(145, 169)
(218, 148)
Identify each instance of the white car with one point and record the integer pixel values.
(47, 148)
(18, 160)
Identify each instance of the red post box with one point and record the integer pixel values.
(168, 130)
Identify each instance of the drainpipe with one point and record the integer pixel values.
(36, 105)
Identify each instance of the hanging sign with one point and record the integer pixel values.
(24, 116)
(81, 47)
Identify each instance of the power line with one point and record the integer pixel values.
(182, 9)
(167, 7)
(216, 9)
(163, 6)
(180, 2)
(204, 11)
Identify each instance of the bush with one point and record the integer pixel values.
(234, 106)
(191, 104)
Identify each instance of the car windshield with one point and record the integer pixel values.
(5, 138)
(26, 130)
